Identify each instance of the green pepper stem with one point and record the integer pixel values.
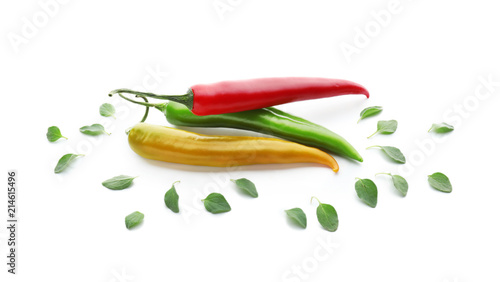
(159, 106)
(146, 113)
(133, 101)
(186, 99)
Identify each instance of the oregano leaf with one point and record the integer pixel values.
(94, 129)
(441, 127)
(216, 203)
(107, 110)
(172, 199)
(247, 186)
(385, 127)
(118, 182)
(298, 215)
(370, 111)
(399, 182)
(65, 161)
(54, 134)
(133, 219)
(392, 152)
(440, 182)
(367, 191)
(327, 216)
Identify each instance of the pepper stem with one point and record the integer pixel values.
(146, 113)
(133, 101)
(186, 99)
(160, 106)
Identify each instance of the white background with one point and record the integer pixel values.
(423, 64)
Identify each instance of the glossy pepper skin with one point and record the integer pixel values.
(178, 146)
(244, 95)
(268, 121)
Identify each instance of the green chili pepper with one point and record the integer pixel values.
(269, 121)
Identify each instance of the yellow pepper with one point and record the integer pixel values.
(179, 146)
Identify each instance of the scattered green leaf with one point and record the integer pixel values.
(367, 191)
(298, 215)
(440, 182)
(94, 129)
(327, 216)
(385, 127)
(118, 182)
(216, 203)
(441, 127)
(172, 199)
(247, 186)
(133, 219)
(393, 153)
(399, 182)
(54, 134)
(370, 111)
(107, 110)
(64, 162)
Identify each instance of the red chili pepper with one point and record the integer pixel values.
(244, 95)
